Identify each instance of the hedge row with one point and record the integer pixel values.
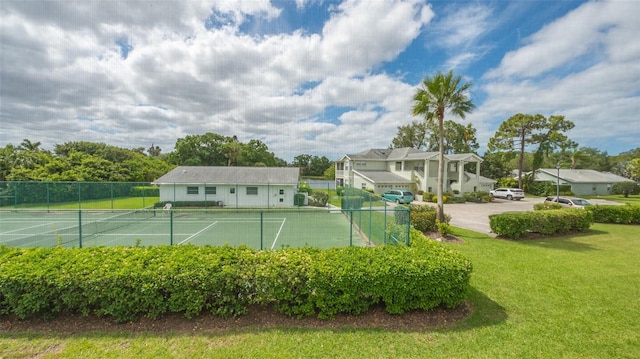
(128, 282)
(615, 214)
(517, 224)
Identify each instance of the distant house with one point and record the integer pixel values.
(408, 168)
(261, 187)
(582, 182)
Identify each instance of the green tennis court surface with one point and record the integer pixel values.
(257, 229)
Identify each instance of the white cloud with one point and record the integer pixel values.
(583, 66)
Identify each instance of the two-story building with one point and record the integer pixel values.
(408, 168)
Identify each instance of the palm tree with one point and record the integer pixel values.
(438, 94)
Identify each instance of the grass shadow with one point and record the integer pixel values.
(484, 312)
(566, 242)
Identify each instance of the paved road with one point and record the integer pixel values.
(475, 216)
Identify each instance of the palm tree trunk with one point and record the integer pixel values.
(440, 190)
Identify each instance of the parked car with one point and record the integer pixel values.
(508, 193)
(569, 201)
(398, 196)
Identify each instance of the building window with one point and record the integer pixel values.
(364, 186)
(192, 190)
(282, 192)
(398, 166)
(252, 191)
(232, 190)
(209, 190)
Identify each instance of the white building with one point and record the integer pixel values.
(582, 182)
(408, 168)
(259, 187)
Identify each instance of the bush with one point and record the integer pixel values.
(305, 187)
(615, 214)
(458, 200)
(423, 218)
(125, 283)
(544, 206)
(445, 199)
(518, 224)
(625, 188)
(352, 202)
(319, 199)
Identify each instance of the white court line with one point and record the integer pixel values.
(197, 233)
(278, 234)
(36, 226)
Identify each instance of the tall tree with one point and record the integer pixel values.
(514, 135)
(413, 135)
(436, 95)
(457, 138)
(520, 131)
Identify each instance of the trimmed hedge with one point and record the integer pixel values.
(518, 224)
(128, 282)
(423, 218)
(615, 214)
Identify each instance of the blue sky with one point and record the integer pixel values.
(310, 76)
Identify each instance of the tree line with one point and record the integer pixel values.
(96, 162)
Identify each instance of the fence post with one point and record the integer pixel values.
(384, 239)
(351, 228)
(80, 228)
(170, 226)
(408, 242)
(261, 230)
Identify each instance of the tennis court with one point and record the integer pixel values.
(259, 229)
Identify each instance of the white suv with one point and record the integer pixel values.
(508, 193)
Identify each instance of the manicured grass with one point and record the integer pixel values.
(571, 297)
(632, 199)
(116, 203)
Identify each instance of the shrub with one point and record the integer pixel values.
(546, 206)
(518, 224)
(625, 188)
(319, 199)
(615, 214)
(352, 202)
(127, 282)
(458, 200)
(423, 218)
(445, 199)
(305, 187)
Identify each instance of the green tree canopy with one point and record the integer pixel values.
(521, 131)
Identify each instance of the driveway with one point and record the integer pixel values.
(475, 216)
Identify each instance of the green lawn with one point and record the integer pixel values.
(116, 203)
(569, 297)
(632, 199)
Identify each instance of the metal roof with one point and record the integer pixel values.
(406, 153)
(231, 175)
(583, 176)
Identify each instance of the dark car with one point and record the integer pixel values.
(398, 196)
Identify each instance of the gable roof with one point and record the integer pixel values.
(583, 176)
(406, 153)
(231, 175)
